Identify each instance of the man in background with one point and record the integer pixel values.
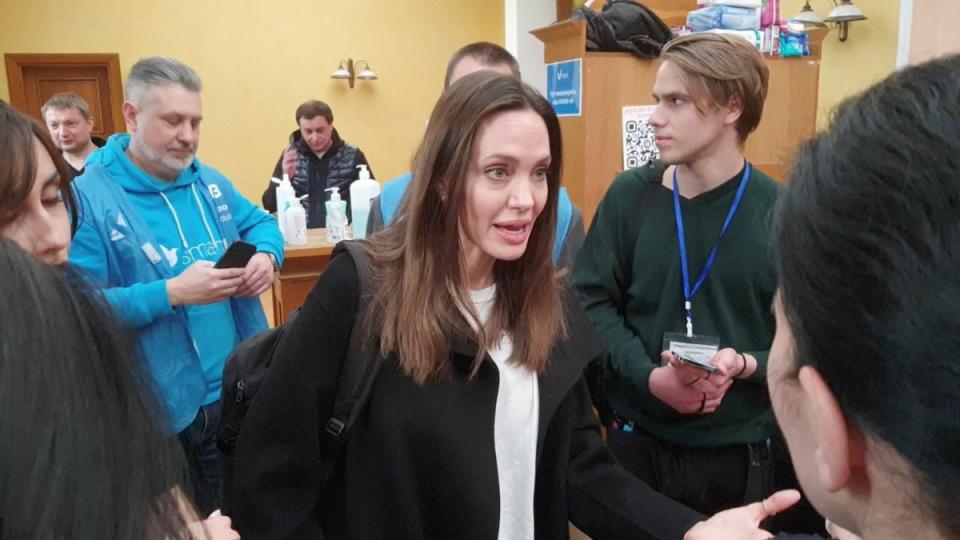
(317, 159)
(68, 119)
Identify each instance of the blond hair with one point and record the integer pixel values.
(721, 70)
(66, 100)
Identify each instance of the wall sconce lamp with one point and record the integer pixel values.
(842, 14)
(347, 68)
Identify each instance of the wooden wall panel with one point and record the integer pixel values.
(934, 29)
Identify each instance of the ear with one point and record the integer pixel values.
(839, 447)
(130, 115)
(732, 112)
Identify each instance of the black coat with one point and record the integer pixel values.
(420, 462)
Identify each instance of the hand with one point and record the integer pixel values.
(744, 522)
(257, 277)
(201, 283)
(290, 159)
(669, 386)
(215, 527)
(727, 361)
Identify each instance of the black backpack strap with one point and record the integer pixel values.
(360, 365)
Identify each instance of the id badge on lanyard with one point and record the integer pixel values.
(697, 351)
(689, 347)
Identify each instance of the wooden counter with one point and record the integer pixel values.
(302, 265)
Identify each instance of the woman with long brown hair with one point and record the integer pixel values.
(479, 423)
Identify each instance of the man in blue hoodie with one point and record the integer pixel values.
(154, 221)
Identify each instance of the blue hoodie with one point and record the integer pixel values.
(135, 233)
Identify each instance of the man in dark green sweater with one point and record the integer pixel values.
(701, 435)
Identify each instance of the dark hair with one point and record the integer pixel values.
(720, 69)
(868, 235)
(18, 167)
(314, 108)
(418, 260)
(486, 53)
(81, 457)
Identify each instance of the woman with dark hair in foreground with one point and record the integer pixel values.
(81, 456)
(864, 372)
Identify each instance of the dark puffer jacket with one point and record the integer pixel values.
(337, 168)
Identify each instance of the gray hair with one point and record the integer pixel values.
(159, 71)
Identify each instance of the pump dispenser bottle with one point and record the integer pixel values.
(285, 195)
(361, 191)
(336, 216)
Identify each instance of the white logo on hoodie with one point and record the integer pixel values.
(170, 254)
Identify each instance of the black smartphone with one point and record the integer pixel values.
(706, 367)
(237, 255)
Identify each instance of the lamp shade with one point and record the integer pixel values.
(367, 74)
(808, 17)
(845, 12)
(341, 72)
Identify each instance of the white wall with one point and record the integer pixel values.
(520, 17)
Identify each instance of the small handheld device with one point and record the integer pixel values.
(237, 255)
(695, 351)
(699, 365)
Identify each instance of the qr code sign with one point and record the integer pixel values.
(639, 141)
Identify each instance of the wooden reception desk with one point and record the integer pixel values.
(302, 265)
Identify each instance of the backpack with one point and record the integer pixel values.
(247, 366)
(624, 25)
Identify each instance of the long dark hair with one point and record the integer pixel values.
(868, 235)
(18, 167)
(80, 456)
(418, 260)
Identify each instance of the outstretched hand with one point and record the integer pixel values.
(743, 522)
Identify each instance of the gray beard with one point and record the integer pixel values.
(161, 157)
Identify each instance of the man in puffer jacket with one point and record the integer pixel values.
(317, 159)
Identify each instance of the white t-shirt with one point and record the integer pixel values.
(514, 431)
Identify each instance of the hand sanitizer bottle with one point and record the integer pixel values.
(285, 194)
(361, 191)
(336, 216)
(295, 218)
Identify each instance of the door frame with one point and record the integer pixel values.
(16, 63)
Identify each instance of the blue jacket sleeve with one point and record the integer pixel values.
(255, 225)
(136, 305)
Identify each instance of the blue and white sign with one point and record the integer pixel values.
(564, 87)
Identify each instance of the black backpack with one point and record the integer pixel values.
(624, 25)
(247, 366)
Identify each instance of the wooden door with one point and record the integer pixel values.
(34, 78)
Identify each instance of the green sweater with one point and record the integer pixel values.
(628, 275)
